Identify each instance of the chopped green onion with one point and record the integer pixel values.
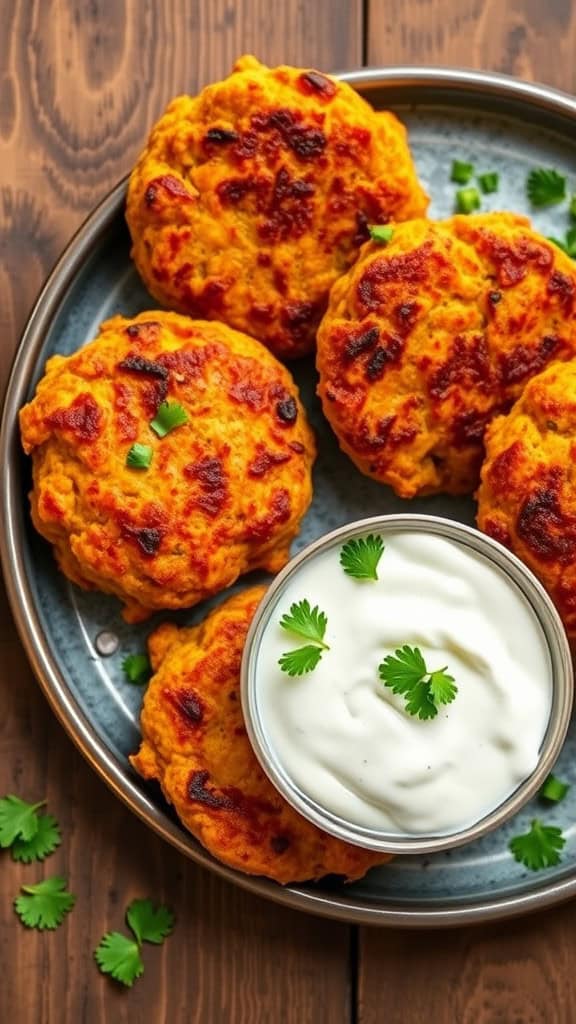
(461, 172)
(139, 456)
(467, 200)
(488, 182)
(554, 790)
(137, 669)
(381, 233)
(168, 416)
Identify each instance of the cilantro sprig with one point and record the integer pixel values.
(169, 415)
(44, 841)
(45, 904)
(539, 848)
(360, 557)
(119, 955)
(406, 673)
(18, 819)
(545, 186)
(309, 624)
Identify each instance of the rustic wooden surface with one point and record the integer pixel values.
(80, 81)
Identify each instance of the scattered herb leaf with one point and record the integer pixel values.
(572, 207)
(568, 243)
(148, 922)
(139, 456)
(554, 789)
(545, 187)
(360, 557)
(18, 819)
(539, 848)
(45, 904)
(137, 669)
(119, 956)
(42, 843)
(489, 182)
(381, 233)
(303, 659)
(405, 672)
(168, 416)
(461, 172)
(467, 200)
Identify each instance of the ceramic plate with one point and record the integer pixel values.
(497, 124)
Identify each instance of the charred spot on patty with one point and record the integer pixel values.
(187, 703)
(287, 411)
(304, 140)
(524, 361)
(314, 82)
(148, 538)
(360, 343)
(198, 792)
(167, 183)
(542, 524)
(383, 356)
(83, 417)
(138, 364)
(280, 844)
(220, 137)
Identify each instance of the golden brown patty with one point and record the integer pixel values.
(224, 493)
(195, 744)
(527, 498)
(427, 338)
(251, 198)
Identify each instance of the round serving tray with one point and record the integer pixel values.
(495, 122)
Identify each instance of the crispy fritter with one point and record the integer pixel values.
(225, 492)
(527, 497)
(252, 197)
(427, 338)
(196, 746)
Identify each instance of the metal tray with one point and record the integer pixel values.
(495, 122)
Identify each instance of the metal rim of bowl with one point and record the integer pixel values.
(475, 85)
(519, 577)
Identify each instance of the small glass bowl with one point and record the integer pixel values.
(553, 633)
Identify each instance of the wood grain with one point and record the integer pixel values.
(80, 83)
(533, 39)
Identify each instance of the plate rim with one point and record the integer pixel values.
(533, 96)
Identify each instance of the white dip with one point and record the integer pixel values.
(347, 741)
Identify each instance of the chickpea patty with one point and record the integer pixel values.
(195, 744)
(527, 497)
(251, 198)
(224, 492)
(430, 336)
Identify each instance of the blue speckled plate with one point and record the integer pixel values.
(496, 124)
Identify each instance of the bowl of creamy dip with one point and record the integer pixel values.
(407, 683)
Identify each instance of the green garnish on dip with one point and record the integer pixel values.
(405, 672)
(461, 172)
(118, 955)
(467, 200)
(489, 182)
(137, 669)
(539, 848)
(45, 904)
(168, 416)
(568, 243)
(139, 456)
(309, 624)
(381, 233)
(554, 789)
(545, 187)
(360, 557)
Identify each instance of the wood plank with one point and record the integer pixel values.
(528, 38)
(80, 83)
(517, 971)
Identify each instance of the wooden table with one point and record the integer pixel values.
(80, 82)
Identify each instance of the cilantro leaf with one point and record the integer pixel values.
(45, 904)
(554, 789)
(405, 672)
(45, 841)
(18, 819)
(119, 956)
(539, 848)
(149, 923)
(360, 557)
(467, 200)
(442, 689)
(545, 187)
(137, 669)
(381, 233)
(572, 208)
(139, 456)
(169, 415)
(306, 622)
(302, 660)
(461, 172)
